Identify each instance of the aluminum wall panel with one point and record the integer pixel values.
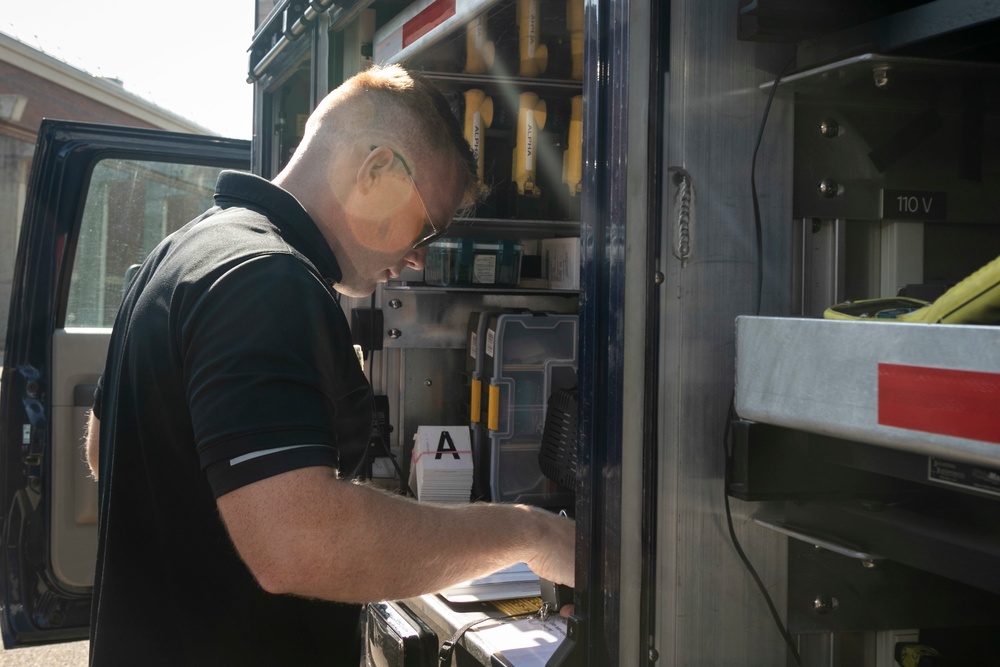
(710, 612)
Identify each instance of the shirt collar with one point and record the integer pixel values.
(237, 188)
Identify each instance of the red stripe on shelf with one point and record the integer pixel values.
(964, 404)
(429, 18)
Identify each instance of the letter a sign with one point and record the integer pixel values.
(446, 444)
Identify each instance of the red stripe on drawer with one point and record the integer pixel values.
(429, 18)
(964, 404)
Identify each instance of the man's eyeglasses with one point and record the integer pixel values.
(429, 232)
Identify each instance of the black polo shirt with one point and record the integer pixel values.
(230, 361)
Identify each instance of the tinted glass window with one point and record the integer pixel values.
(130, 206)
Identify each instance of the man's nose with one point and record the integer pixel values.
(415, 258)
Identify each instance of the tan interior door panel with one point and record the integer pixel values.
(77, 362)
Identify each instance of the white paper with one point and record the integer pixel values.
(516, 581)
(528, 642)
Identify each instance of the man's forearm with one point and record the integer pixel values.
(92, 442)
(361, 544)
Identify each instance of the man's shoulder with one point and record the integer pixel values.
(236, 257)
(232, 237)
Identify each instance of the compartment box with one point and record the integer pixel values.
(529, 356)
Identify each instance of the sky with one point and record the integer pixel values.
(187, 56)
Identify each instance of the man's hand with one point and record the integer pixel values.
(555, 548)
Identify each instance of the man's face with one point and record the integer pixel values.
(393, 212)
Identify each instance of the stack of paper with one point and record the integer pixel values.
(442, 461)
(516, 581)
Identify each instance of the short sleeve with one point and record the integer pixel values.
(272, 379)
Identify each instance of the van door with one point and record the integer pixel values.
(99, 199)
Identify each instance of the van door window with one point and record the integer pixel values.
(130, 206)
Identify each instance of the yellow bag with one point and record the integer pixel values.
(975, 300)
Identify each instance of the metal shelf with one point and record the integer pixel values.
(483, 289)
(884, 79)
(512, 228)
(504, 82)
(422, 24)
(923, 388)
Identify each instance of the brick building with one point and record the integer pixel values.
(33, 86)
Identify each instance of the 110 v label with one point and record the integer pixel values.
(914, 205)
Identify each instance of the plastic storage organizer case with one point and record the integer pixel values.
(529, 356)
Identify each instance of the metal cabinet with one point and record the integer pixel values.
(872, 445)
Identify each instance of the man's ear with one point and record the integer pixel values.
(378, 162)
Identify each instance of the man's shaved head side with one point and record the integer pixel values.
(386, 104)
